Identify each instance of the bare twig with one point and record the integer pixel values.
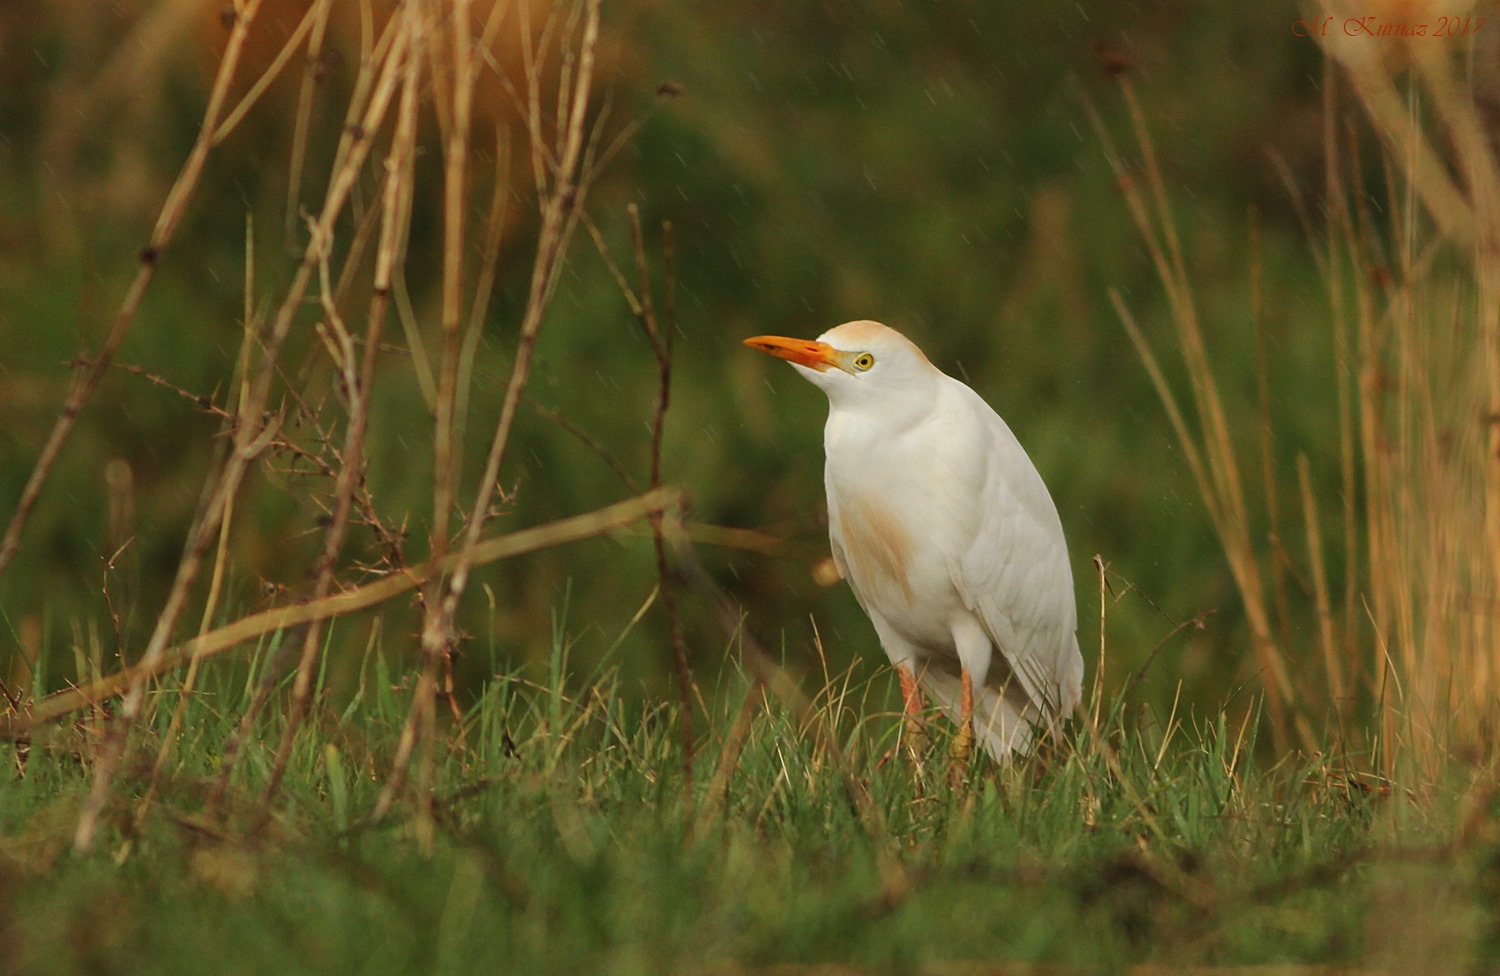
(360, 388)
(252, 435)
(563, 200)
(85, 382)
(221, 639)
(221, 556)
(659, 333)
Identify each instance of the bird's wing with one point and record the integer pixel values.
(1013, 572)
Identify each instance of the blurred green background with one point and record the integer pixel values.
(930, 166)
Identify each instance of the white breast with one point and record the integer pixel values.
(902, 508)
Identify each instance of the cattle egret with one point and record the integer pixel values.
(946, 534)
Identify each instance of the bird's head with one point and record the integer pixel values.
(855, 363)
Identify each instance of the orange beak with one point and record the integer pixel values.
(803, 352)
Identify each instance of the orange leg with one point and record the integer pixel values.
(911, 698)
(963, 744)
(912, 705)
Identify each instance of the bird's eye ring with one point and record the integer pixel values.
(863, 361)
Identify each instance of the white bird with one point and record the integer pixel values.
(946, 534)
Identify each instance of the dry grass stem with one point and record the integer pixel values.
(358, 384)
(1209, 445)
(430, 55)
(221, 639)
(87, 379)
(562, 199)
(1414, 320)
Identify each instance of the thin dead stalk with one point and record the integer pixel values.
(1427, 359)
(563, 200)
(660, 331)
(221, 554)
(359, 387)
(729, 758)
(303, 120)
(221, 639)
(1414, 322)
(87, 380)
(254, 432)
(303, 392)
(1208, 443)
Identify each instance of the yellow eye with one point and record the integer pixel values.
(863, 361)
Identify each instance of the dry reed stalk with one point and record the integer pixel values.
(426, 55)
(453, 87)
(1322, 606)
(562, 193)
(358, 390)
(87, 380)
(221, 558)
(1208, 444)
(1412, 625)
(1344, 355)
(20, 724)
(1428, 442)
(495, 225)
(303, 118)
(1426, 174)
(1267, 441)
(254, 432)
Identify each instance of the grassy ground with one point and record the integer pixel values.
(565, 838)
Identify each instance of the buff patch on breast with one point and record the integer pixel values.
(876, 546)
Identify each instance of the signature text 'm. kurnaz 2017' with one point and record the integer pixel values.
(1374, 27)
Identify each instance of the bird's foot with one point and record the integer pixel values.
(914, 742)
(914, 738)
(963, 742)
(913, 732)
(962, 753)
(916, 758)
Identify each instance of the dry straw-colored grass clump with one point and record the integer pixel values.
(1407, 639)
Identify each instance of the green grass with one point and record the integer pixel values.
(567, 839)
